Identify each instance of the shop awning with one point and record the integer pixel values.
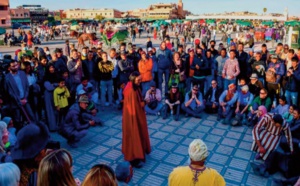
(20, 20)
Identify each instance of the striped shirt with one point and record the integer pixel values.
(269, 135)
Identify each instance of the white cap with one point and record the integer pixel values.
(198, 150)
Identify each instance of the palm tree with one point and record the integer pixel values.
(265, 10)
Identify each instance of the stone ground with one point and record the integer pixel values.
(229, 147)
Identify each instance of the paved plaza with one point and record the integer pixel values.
(229, 147)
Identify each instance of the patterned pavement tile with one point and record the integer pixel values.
(229, 149)
(222, 149)
(175, 159)
(234, 175)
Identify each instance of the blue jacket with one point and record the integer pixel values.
(231, 102)
(202, 63)
(12, 88)
(164, 59)
(292, 82)
(74, 121)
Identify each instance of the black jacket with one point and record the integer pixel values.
(208, 94)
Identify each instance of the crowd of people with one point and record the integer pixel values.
(64, 90)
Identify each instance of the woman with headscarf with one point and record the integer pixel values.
(196, 173)
(29, 39)
(50, 83)
(136, 142)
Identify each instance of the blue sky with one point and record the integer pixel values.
(195, 6)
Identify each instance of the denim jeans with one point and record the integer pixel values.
(176, 111)
(228, 82)
(220, 81)
(208, 80)
(106, 87)
(145, 87)
(166, 73)
(291, 97)
(188, 84)
(154, 111)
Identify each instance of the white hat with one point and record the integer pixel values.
(198, 150)
(245, 88)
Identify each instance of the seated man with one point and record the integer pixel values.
(193, 104)
(255, 85)
(91, 110)
(282, 107)
(227, 103)
(262, 99)
(153, 100)
(267, 136)
(172, 103)
(196, 173)
(211, 98)
(245, 98)
(89, 89)
(75, 126)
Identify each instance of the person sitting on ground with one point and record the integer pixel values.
(9, 174)
(4, 152)
(124, 173)
(267, 135)
(100, 174)
(279, 153)
(211, 98)
(289, 116)
(255, 85)
(245, 98)
(56, 169)
(153, 100)
(172, 103)
(282, 107)
(262, 99)
(196, 173)
(12, 138)
(75, 126)
(227, 102)
(193, 104)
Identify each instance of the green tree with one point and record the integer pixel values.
(99, 17)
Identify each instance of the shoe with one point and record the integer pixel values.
(186, 115)
(197, 116)
(72, 144)
(258, 157)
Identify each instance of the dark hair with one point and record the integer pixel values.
(263, 45)
(232, 51)
(224, 49)
(84, 78)
(212, 41)
(292, 51)
(295, 59)
(283, 98)
(61, 80)
(279, 44)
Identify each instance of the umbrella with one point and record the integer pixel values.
(2, 31)
(210, 21)
(292, 23)
(268, 23)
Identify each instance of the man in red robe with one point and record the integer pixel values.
(136, 141)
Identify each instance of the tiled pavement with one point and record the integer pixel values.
(229, 149)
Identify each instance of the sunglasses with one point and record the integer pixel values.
(262, 93)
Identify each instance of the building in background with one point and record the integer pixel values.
(5, 20)
(37, 14)
(159, 11)
(20, 15)
(92, 13)
(243, 16)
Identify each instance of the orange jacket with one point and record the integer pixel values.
(145, 69)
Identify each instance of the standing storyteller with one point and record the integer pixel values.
(136, 141)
